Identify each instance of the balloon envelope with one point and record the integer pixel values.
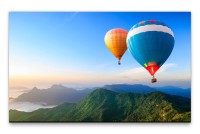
(115, 40)
(150, 43)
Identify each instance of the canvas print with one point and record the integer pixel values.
(100, 67)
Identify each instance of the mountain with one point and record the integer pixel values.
(55, 95)
(58, 94)
(175, 91)
(139, 88)
(126, 88)
(103, 105)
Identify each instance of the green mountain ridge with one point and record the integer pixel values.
(103, 105)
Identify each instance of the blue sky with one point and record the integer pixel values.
(68, 47)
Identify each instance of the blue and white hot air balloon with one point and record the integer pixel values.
(150, 43)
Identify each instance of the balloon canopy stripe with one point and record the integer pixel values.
(147, 28)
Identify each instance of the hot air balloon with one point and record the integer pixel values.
(150, 43)
(115, 40)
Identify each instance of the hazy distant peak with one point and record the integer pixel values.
(58, 86)
(35, 88)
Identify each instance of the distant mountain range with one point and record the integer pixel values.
(58, 94)
(138, 88)
(175, 91)
(103, 105)
(55, 95)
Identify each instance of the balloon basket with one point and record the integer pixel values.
(153, 80)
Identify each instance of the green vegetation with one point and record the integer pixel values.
(107, 106)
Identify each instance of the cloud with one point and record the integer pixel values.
(141, 73)
(166, 67)
(138, 75)
(139, 70)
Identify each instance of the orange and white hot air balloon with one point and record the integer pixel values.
(115, 40)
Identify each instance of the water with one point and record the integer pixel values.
(27, 106)
(14, 93)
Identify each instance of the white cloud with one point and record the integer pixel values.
(166, 67)
(141, 73)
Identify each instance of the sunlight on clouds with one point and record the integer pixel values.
(47, 78)
(164, 73)
(136, 74)
(166, 66)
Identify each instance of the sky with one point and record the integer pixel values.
(68, 48)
